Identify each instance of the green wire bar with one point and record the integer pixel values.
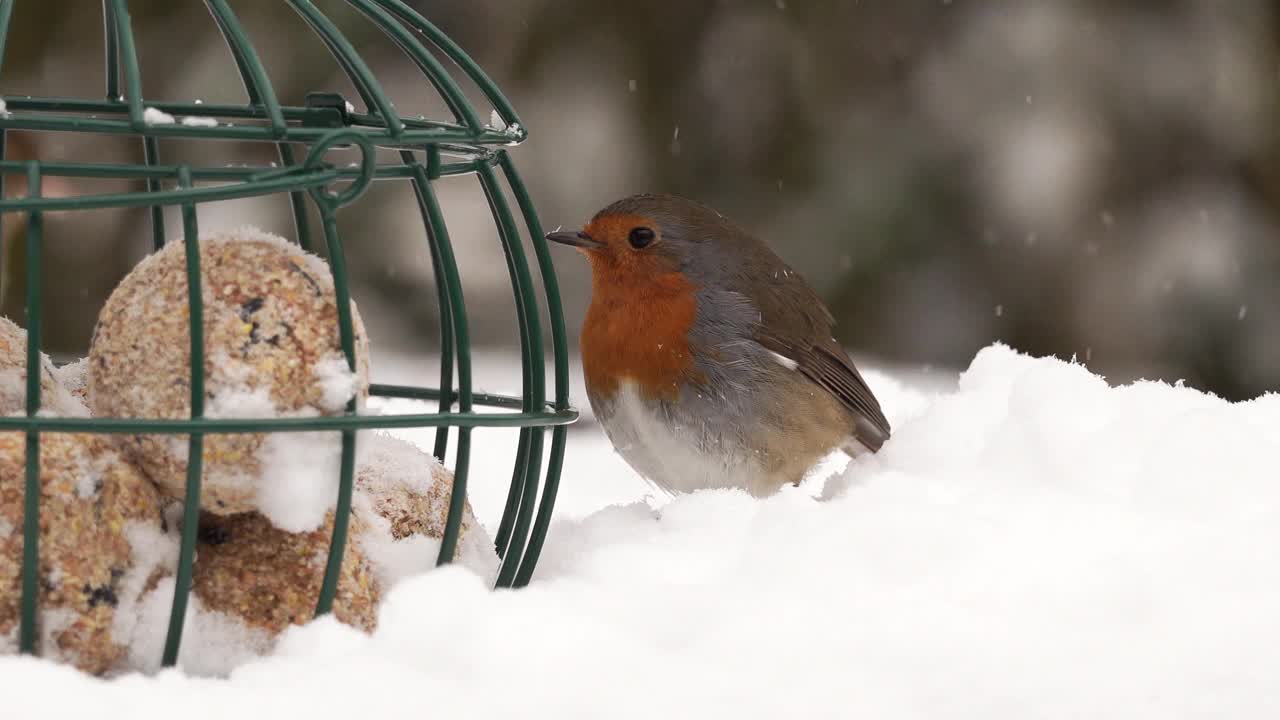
(301, 136)
(524, 481)
(555, 311)
(195, 442)
(421, 188)
(438, 231)
(31, 489)
(328, 203)
(256, 83)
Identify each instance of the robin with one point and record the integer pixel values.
(710, 362)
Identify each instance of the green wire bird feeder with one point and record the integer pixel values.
(424, 150)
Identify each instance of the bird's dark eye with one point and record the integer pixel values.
(640, 237)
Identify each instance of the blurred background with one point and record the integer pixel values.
(1096, 179)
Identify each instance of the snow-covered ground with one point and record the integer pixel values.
(1030, 544)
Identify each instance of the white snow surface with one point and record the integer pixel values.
(1031, 544)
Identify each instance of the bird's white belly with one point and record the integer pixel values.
(679, 454)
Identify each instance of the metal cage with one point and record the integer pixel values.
(426, 150)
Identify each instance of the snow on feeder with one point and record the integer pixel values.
(161, 365)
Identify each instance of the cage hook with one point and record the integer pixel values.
(368, 164)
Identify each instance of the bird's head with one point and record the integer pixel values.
(646, 239)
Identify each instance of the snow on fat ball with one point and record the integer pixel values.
(252, 581)
(74, 376)
(212, 642)
(403, 493)
(55, 398)
(271, 350)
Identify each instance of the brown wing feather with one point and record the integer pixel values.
(797, 325)
(831, 369)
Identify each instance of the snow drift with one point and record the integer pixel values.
(1035, 544)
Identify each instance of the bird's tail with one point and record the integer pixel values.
(867, 438)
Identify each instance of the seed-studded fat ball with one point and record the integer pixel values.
(92, 501)
(269, 579)
(272, 349)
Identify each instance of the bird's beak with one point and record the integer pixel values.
(575, 238)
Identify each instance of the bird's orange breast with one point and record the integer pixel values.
(637, 329)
